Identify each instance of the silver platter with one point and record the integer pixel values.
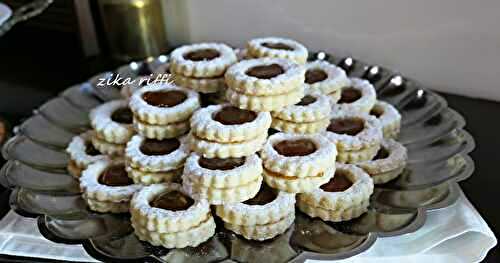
(433, 133)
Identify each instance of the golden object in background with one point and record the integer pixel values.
(134, 28)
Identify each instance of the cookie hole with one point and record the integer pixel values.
(315, 75)
(159, 147)
(221, 164)
(172, 200)
(232, 116)
(265, 71)
(164, 99)
(202, 54)
(349, 126)
(122, 115)
(338, 183)
(115, 175)
(300, 147)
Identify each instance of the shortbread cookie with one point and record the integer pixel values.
(82, 153)
(334, 215)
(277, 48)
(325, 77)
(299, 156)
(225, 123)
(357, 156)
(389, 118)
(222, 173)
(311, 108)
(205, 85)
(149, 155)
(166, 208)
(219, 196)
(106, 186)
(112, 122)
(344, 197)
(352, 131)
(268, 206)
(388, 163)
(264, 77)
(160, 132)
(262, 231)
(203, 60)
(359, 96)
(148, 178)
(164, 103)
(264, 103)
(189, 238)
(107, 148)
(300, 128)
(294, 184)
(211, 149)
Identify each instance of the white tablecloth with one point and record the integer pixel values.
(454, 234)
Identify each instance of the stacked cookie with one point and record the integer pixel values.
(388, 164)
(268, 214)
(298, 163)
(224, 167)
(265, 84)
(344, 197)
(357, 136)
(151, 161)
(389, 118)
(325, 78)
(162, 110)
(360, 96)
(276, 47)
(310, 115)
(106, 186)
(201, 67)
(82, 153)
(163, 214)
(112, 123)
(222, 131)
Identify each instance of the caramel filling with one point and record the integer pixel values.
(123, 115)
(381, 154)
(349, 95)
(115, 175)
(279, 46)
(157, 147)
(306, 100)
(144, 70)
(315, 75)
(376, 112)
(91, 150)
(221, 164)
(232, 115)
(164, 99)
(202, 54)
(301, 147)
(346, 126)
(173, 201)
(265, 195)
(338, 183)
(265, 71)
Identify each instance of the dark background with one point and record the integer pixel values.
(37, 64)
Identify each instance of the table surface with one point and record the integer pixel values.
(29, 76)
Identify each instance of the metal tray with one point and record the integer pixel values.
(23, 13)
(433, 133)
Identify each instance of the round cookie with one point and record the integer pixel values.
(277, 48)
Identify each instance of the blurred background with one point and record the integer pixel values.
(449, 45)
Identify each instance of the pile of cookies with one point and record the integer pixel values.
(163, 111)
(201, 67)
(169, 160)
